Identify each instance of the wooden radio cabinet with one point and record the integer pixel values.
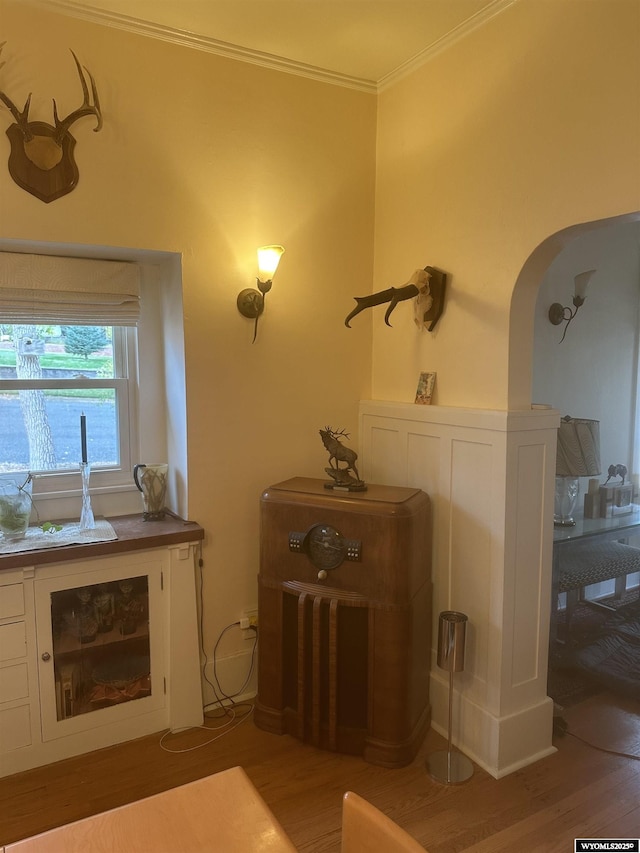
(344, 597)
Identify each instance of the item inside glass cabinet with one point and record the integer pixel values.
(101, 645)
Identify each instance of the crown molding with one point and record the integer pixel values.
(204, 43)
(267, 60)
(444, 42)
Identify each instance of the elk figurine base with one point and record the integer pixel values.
(344, 482)
(345, 479)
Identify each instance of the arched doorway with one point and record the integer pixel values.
(594, 371)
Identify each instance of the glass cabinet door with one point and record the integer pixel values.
(99, 640)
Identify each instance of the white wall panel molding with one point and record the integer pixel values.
(490, 478)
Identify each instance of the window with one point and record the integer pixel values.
(67, 346)
(49, 376)
(135, 301)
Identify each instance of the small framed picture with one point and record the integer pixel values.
(425, 388)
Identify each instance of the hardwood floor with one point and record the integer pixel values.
(578, 792)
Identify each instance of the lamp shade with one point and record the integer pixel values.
(580, 283)
(578, 453)
(268, 260)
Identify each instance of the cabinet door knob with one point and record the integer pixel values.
(46, 656)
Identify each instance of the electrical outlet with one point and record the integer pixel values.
(249, 624)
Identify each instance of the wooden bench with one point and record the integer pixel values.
(594, 562)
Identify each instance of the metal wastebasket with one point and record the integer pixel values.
(450, 767)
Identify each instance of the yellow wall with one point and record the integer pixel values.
(524, 127)
(211, 158)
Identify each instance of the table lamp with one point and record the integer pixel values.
(578, 455)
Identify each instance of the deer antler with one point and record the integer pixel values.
(392, 295)
(21, 118)
(86, 109)
(428, 283)
(342, 432)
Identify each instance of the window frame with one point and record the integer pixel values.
(160, 410)
(65, 482)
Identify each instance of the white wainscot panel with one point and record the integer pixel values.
(386, 462)
(423, 461)
(527, 620)
(469, 585)
(489, 475)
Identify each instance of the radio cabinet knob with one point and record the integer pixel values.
(322, 575)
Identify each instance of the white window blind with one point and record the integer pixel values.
(44, 289)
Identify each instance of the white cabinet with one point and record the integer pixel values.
(96, 651)
(100, 644)
(18, 681)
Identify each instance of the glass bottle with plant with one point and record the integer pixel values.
(16, 503)
(15, 507)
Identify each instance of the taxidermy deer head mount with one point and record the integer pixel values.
(41, 159)
(426, 286)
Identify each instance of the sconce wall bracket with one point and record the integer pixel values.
(251, 301)
(563, 314)
(556, 313)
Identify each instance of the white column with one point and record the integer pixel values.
(490, 476)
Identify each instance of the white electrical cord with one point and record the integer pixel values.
(226, 710)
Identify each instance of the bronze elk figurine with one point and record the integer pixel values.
(41, 158)
(339, 453)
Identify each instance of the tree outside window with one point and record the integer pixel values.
(48, 376)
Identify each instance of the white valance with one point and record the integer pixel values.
(45, 289)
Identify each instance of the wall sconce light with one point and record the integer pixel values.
(250, 300)
(562, 313)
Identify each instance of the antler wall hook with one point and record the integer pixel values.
(41, 158)
(426, 286)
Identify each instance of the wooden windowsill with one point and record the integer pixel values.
(133, 533)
